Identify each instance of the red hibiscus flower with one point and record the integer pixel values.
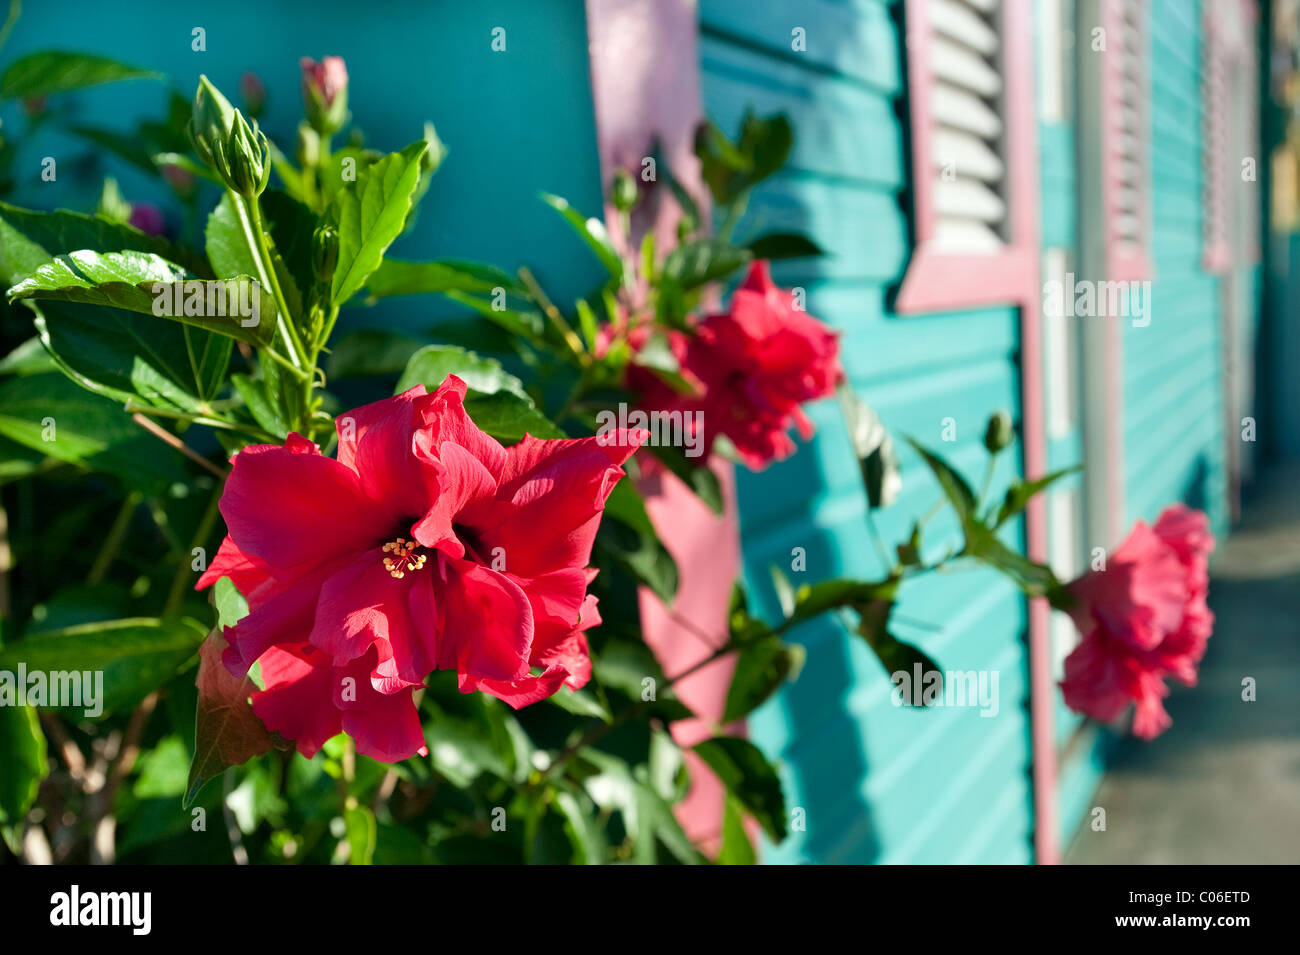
(753, 366)
(1143, 618)
(425, 546)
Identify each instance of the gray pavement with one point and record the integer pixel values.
(1222, 785)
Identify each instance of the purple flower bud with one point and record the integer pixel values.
(148, 218)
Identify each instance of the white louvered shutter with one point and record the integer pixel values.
(1215, 85)
(967, 122)
(1127, 218)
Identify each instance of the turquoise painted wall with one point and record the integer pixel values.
(878, 783)
(514, 122)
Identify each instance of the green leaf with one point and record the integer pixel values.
(704, 260)
(581, 823)
(362, 834)
(370, 213)
(148, 284)
(592, 232)
(54, 71)
(29, 239)
(894, 654)
(628, 536)
(1036, 580)
(745, 772)
(136, 655)
(22, 759)
(529, 325)
(783, 245)
(1020, 492)
(954, 486)
(231, 605)
(371, 352)
(766, 142)
(226, 730)
(257, 399)
(812, 600)
(736, 848)
(785, 592)
(874, 449)
(50, 414)
(508, 416)
(395, 277)
(432, 364)
(656, 823)
(580, 703)
(761, 669)
(126, 356)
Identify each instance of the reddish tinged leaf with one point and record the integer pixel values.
(227, 731)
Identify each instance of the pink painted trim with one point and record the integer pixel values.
(645, 83)
(935, 279)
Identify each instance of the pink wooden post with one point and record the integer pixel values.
(939, 280)
(645, 87)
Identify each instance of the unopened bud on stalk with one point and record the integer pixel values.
(236, 151)
(434, 154)
(325, 253)
(325, 93)
(308, 146)
(999, 434)
(624, 193)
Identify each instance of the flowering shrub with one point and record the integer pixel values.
(423, 640)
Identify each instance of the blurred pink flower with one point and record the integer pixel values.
(1143, 618)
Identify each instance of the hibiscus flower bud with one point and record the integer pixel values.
(325, 253)
(308, 146)
(325, 93)
(999, 433)
(434, 154)
(148, 218)
(247, 154)
(235, 151)
(1143, 617)
(180, 179)
(624, 193)
(253, 92)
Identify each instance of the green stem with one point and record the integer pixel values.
(201, 534)
(113, 542)
(879, 541)
(989, 464)
(551, 312)
(132, 407)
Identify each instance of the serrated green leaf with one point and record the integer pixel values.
(370, 213)
(148, 284)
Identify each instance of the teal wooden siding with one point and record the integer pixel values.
(1173, 368)
(878, 783)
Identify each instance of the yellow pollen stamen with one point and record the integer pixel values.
(404, 557)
